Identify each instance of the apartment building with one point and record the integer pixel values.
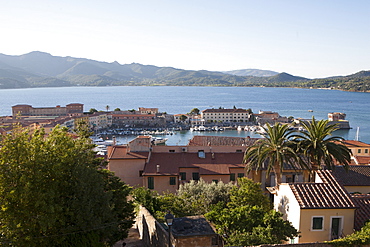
(225, 115)
(73, 109)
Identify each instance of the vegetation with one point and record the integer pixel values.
(359, 238)
(194, 111)
(183, 118)
(242, 214)
(82, 72)
(193, 198)
(92, 110)
(248, 218)
(53, 193)
(318, 146)
(274, 150)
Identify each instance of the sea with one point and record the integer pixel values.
(295, 102)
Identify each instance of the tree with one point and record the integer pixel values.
(117, 109)
(274, 150)
(248, 219)
(194, 111)
(92, 110)
(53, 193)
(107, 107)
(318, 145)
(183, 118)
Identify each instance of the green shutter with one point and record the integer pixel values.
(151, 183)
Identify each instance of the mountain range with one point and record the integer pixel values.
(40, 69)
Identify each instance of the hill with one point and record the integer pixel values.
(40, 69)
(251, 72)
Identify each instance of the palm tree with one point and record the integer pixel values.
(275, 149)
(319, 147)
(107, 107)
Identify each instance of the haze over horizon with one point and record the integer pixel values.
(312, 39)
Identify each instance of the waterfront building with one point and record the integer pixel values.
(225, 115)
(73, 109)
(270, 117)
(100, 120)
(144, 110)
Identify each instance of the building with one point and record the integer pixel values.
(73, 109)
(164, 168)
(358, 148)
(269, 117)
(321, 211)
(225, 115)
(339, 119)
(100, 120)
(143, 110)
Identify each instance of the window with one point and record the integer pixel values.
(151, 183)
(172, 180)
(215, 180)
(201, 154)
(317, 223)
(239, 151)
(232, 176)
(366, 151)
(183, 175)
(141, 173)
(359, 151)
(172, 151)
(240, 175)
(196, 176)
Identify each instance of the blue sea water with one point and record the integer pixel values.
(287, 101)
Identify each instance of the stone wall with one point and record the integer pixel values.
(151, 232)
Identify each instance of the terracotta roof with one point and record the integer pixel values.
(219, 169)
(221, 141)
(363, 211)
(226, 110)
(352, 143)
(171, 162)
(356, 175)
(121, 152)
(362, 160)
(328, 194)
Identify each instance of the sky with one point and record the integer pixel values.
(313, 39)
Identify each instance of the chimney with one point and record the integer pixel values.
(158, 166)
(114, 140)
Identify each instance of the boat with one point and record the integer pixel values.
(202, 128)
(158, 140)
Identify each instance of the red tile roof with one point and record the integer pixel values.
(362, 160)
(221, 141)
(328, 194)
(363, 211)
(351, 143)
(226, 110)
(356, 175)
(169, 163)
(121, 152)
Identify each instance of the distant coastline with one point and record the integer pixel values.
(40, 69)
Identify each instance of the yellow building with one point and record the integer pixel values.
(321, 211)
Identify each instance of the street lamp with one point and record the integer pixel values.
(169, 220)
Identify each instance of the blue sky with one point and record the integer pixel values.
(312, 39)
